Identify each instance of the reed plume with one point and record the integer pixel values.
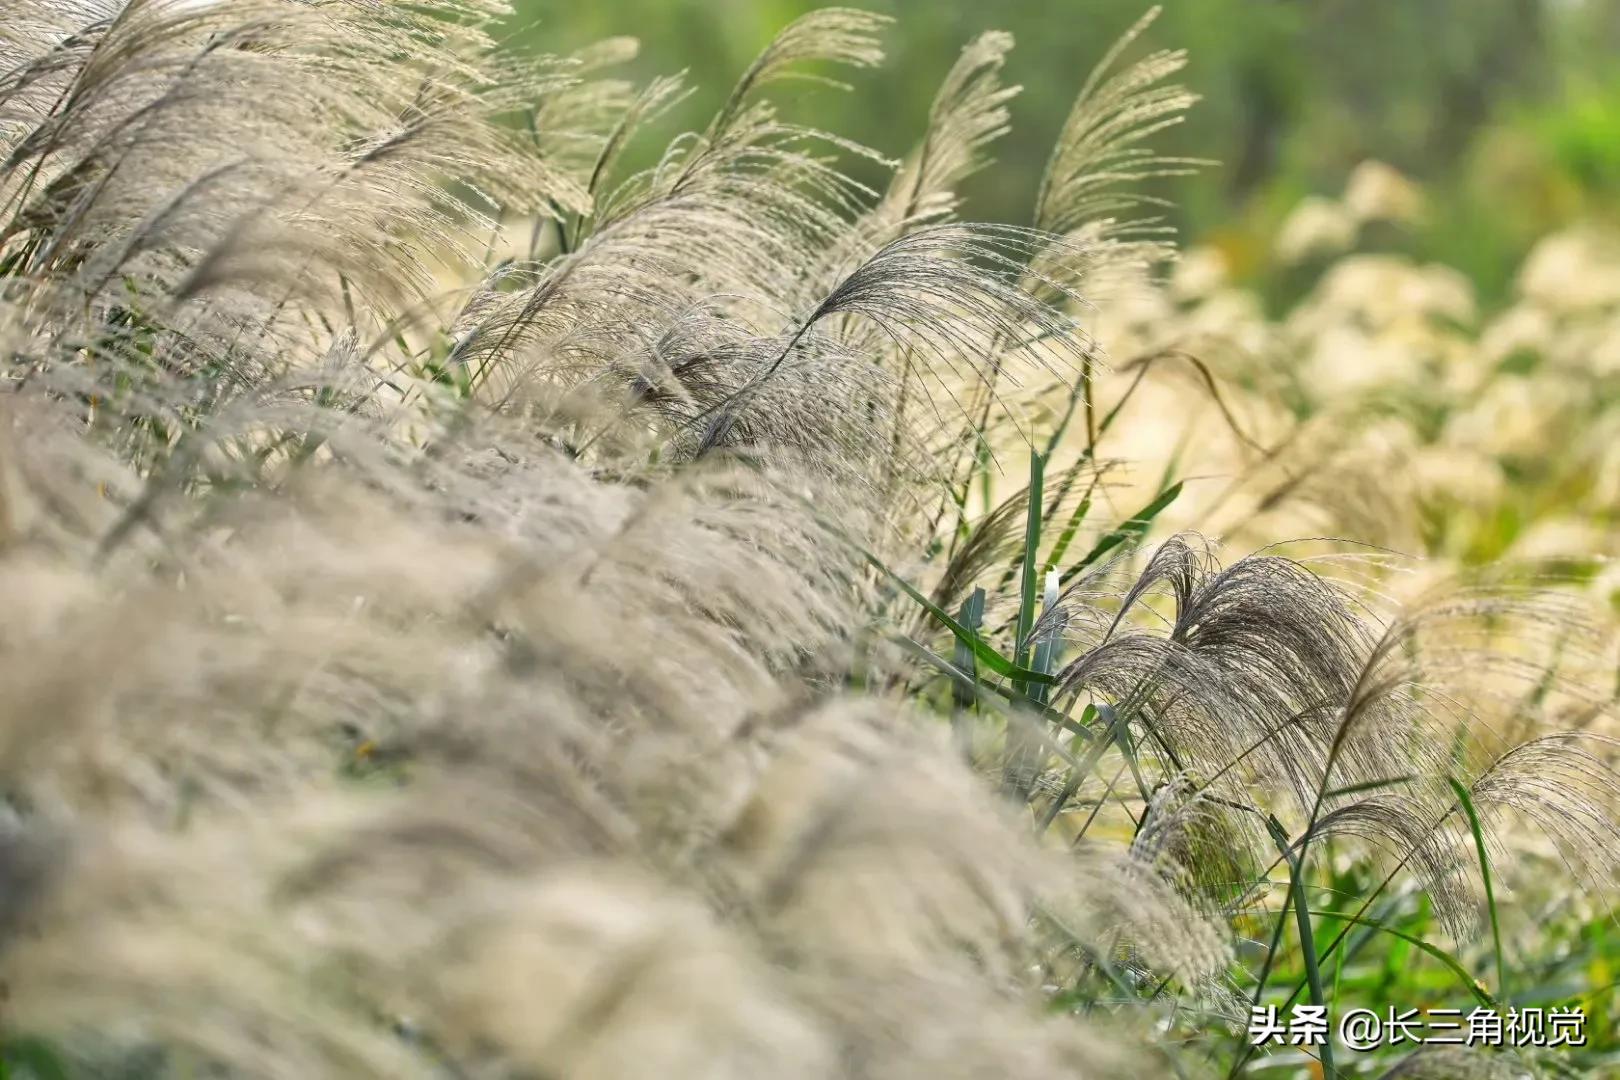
(426, 662)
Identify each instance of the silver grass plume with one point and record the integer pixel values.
(401, 680)
(407, 723)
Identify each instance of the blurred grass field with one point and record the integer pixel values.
(1507, 111)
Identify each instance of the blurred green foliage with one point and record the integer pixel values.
(1506, 110)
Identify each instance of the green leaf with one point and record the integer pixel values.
(1369, 785)
(972, 618)
(1131, 529)
(1029, 584)
(1066, 537)
(982, 652)
(1451, 962)
(1485, 872)
(1302, 916)
(978, 687)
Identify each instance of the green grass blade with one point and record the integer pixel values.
(982, 652)
(978, 687)
(1048, 647)
(971, 617)
(1451, 962)
(1066, 537)
(1370, 785)
(1131, 529)
(1307, 941)
(1029, 583)
(1022, 753)
(964, 693)
(1485, 872)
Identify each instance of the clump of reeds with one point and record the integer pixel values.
(432, 647)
